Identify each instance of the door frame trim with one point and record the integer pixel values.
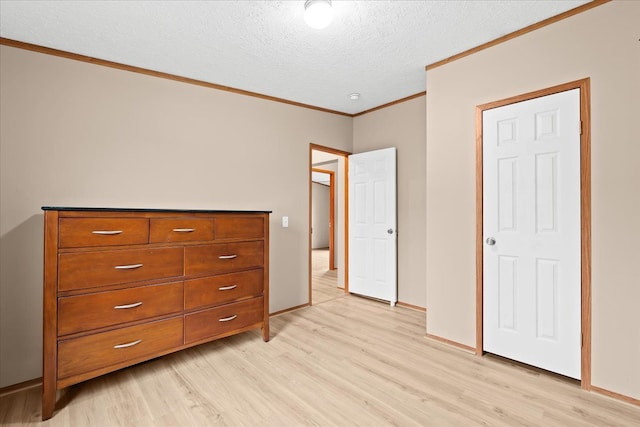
(346, 155)
(585, 214)
(332, 213)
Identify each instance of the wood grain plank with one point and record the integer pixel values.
(349, 361)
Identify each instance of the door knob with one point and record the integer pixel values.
(491, 241)
(390, 231)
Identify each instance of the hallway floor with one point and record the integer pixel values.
(324, 281)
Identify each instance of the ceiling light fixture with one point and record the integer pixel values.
(318, 14)
(354, 96)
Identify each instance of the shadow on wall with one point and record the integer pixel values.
(21, 258)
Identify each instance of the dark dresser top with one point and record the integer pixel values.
(85, 209)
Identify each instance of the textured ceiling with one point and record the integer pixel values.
(376, 48)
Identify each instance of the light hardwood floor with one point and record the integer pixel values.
(324, 282)
(345, 362)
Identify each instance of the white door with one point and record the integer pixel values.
(372, 224)
(531, 232)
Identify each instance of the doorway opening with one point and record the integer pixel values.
(584, 212)
(328, 228)
(323, 214)
(324, 275)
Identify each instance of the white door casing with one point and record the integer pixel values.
(372, 225)
(531, 210)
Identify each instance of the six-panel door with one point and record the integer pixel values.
(531, 203)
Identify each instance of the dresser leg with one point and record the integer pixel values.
(48, 400)
(265, 331)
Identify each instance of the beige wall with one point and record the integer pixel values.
(602, 44)
(77, 134)
(403, 126)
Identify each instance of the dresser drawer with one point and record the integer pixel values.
(91, 269)
(98, 310)
(81, 355)
(83, 232)
(180, 230)
(220, 258)
(239, 227)
(224, 288)
(223, 319)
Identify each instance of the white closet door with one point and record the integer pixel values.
(531, 230)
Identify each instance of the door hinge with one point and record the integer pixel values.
(581, 340)
(580, 127)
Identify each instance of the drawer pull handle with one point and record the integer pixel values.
(107, 232)
(227, 288)
(228, 319)
(135, 304)
(129, 344)
(227, 256)
(184, 230)
(128, 267)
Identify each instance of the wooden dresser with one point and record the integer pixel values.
(122, 286)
